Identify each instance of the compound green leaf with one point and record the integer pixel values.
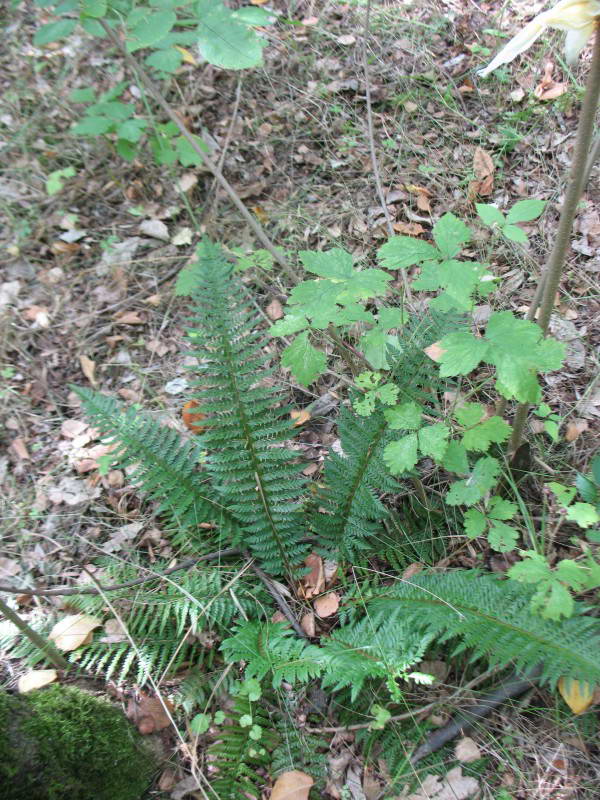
(305, 361)
(291, 323)
(474, 522)
(405, 417)
(515, 234)
(166, 60)
(462, 353)
(450, 234)
(490, 215)
(525, 211)
(484, 433)
(470, 491)
(455, 458)
(433, 440)
(336, 263)
(583, 514)
(502, 537)
(469, 414)
(502, 509)
(224, 39)
(405, 251)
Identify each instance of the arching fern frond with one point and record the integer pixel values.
(165, 465)
(492, 618)
(254, 473)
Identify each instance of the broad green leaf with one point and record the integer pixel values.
(224, 40)
(186, 154)
(525, 211)
(433, 440)
(470, 491)
(502, 509)
(388, 318)
(166, 60)
(162, 150)
(305, 361)
(55, 181)
(388, 394)
(251, 15)
(502, 537)
(450, 234)
(490, 215)
(363, 285)
(82, 95)
(587, 488)
(93, 27)
(475, 523)
(373, 345)
(200, 723)
(555, 602)
(54, 31)
(515, 234)
(564, 494)
(317, 300)
(455, 458)
(94, 8)
(291, 323)
(151, 29)
(335, 264)
(584, 514)
(405, 251)
(571, 573)
(401, 456)
(462, 353)
(132, 130)
(126, 149)
(113, 109)
(93, 126)
(484, 433)
(469, 414)
(405, 417)
(533, 569)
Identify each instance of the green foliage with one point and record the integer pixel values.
(62, 742)
(302, 751)
(583, 514)
(491, 520)
(522, 211)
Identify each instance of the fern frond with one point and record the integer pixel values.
(300, 750)
(493, 619)
(255, 475)
(350, 512)
(165, 466)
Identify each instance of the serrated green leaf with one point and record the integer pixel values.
(126, 150)
(335, 264)
(571, 573)
(388, 394)
(475, 523)
(455, 458)
(484, 433)
(305, 361)
(291, 323)
(405, 251)
(553, 601)
(200, 723)
(490, 215)
(56, 180)
(150, 29)
(168, 59)
(584, 514)
(564, 494)
(533, 569)
(92, 126)
(515, 234)
(500, 508)
(502, 537)
(450, 234)
(405, 417)
(470, 491)
(433, 440)
(368, 380)
(469, 414)
(388, 318)
(462, 353)
(224, 39)
(373, 345)
(54, 31)
(525, 211)
(94, 8)
(187, 156)
(401, 456)
(86, 95)
(364, 284)
(132, 130)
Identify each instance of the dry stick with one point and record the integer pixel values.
(190, 562)
(374, 162)
(278, 597)
(52, 654)
(553, 271)
(207, 160)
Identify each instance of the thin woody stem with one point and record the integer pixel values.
(51, 653)
(579, 171)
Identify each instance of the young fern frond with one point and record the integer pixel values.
(350, 512)
(254, 474)
(165, 465)
(492, 618)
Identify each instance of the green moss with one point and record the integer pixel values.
(61, 743)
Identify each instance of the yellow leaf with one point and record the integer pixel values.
(292, 785)
(35, 679)
(578, 696)
(73, 631)
(187, 56)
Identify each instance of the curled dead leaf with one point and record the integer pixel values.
(35, 679)
(300, 417)
(74, 631)
(327, 604)
(292, 785)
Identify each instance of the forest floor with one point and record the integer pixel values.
(88, 270)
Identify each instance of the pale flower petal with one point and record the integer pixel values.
(577, 17)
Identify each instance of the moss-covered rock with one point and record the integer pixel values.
(61, 743)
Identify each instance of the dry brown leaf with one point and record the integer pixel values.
(292, 785)
(72, 428)
(307, 623)
(74, 631)
(274, 309)
(88, 367)
(575, 429)
(129, 318)
(35, 679)
(310, 469)
(148, 713)
(19, 448)
(434, 351)
(483, 165)
(9, 567)
(548, 88)
(455, 786)
(38, 315)
(327, 604)
(411, 570)
(576, 694)
(408, 228)
(466, 750)
(300, 417)
(314, 581)
(423, 203)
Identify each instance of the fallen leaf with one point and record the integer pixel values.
(410, 106)
(310, 469)
(74, 631)
(88, 367)
(466, 750)
(129, 318)
(191, 416)
(114, 632)
(314, 581)
(434, 351)
(35, 679)
(292, 785)
(38, 315)
(300, 417)
(156, 229)
(408, 228)
(182, 237)
(148, 713)
(576, 694)
(274, 310)
(9, 567)
(19, 448)
(346, 39)
(187, 182)
(307, 623)
(483, 164)
(72, 492)
(455, 786)
(258, 2)
(71, 428)
(327, 604)
(548, 88)
(575, 429)
(9, 292)
(261, 214)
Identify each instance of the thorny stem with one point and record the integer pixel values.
(52, 654)
(212, 166)
(579, 171)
